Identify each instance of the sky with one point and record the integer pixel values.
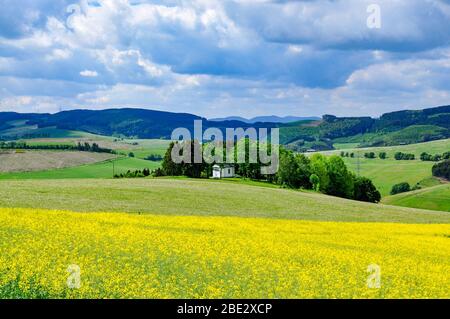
(218, 58)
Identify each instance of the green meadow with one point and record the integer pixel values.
(386, 173)
(435, 198)
(105, 169)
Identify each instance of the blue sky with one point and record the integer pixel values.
(218, 58)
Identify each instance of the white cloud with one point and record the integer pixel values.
(243, 56)
(89, 73)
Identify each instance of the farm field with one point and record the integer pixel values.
(97, 170)
(386, 173)
(433, 147)
(140, 147)
(129, 256)
(436, 198)
(202, 198)
(20, 161)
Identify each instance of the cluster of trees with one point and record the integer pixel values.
(370, 155)
(399, 156)
(400, 188)
(134, 174)
(347, 154)
(434, 158)
(154, 158)
(328, 175)
(204, 170)
(85, 147)
(442, 169)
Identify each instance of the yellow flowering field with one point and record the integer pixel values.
(130, 256)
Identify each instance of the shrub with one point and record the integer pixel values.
(382, 155)
(154, 158)
(400, 188)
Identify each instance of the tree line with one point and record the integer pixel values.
(434, 158)
(85, 147)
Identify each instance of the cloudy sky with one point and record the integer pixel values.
(225, 57)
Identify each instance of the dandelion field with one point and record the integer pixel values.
(146, 256)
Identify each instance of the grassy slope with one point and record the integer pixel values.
(410, 134)
(436, 198)
(141, 148)
(96, 170)
(200, 197)
(434, 147)
(386, 173)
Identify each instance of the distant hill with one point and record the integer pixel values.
(135, 123)
(403, 127)
(266, 119)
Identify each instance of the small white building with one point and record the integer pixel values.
(225, 171)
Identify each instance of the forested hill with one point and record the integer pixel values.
(402, 127)
(390, 129)
(138, 123)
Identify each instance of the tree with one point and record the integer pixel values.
(382, 155)
(442, 169)
(315, 181)
(318, 165)
(365, 191)
(169, 167)
(303, 171)
(131, 154)
(288, 169)
(341, 180)
(400, 188)
(190, 168)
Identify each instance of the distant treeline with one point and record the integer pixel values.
(134, 174)
(85, 147)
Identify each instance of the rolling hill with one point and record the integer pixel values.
(394, 128)
(201, 198)
(267, 119)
